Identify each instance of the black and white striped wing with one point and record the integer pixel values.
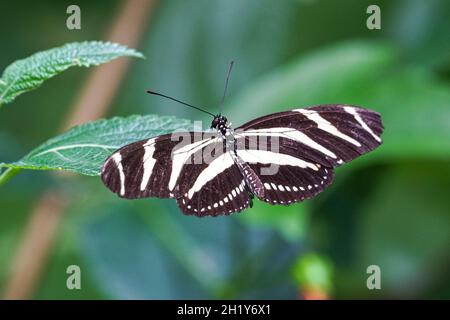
(153, 167)
(328, 134)
(305, 145)
(196, 170)
(141, 169)
(287, 179)
(213, 188)
(281, 158)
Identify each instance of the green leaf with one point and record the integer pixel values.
(28, 74)
(84, 148)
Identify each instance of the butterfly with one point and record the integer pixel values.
(281, 158)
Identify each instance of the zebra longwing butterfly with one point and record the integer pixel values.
(281, 158)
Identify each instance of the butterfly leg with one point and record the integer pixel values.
(252, 180)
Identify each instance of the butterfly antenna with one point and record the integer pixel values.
(179, 101)
(230, 67)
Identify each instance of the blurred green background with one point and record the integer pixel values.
(390, 208)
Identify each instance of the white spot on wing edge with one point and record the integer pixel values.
(358, 118)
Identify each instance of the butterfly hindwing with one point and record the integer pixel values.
(286, 178)
(292, 184)
(219, 188)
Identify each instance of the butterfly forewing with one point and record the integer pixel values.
(336, 133)
(152, 167)
(141, 169)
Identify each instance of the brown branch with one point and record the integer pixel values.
(94, 100)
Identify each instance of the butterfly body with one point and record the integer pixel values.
(281, 158)
(220, 123)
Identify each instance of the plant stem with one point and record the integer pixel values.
(8, 174)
